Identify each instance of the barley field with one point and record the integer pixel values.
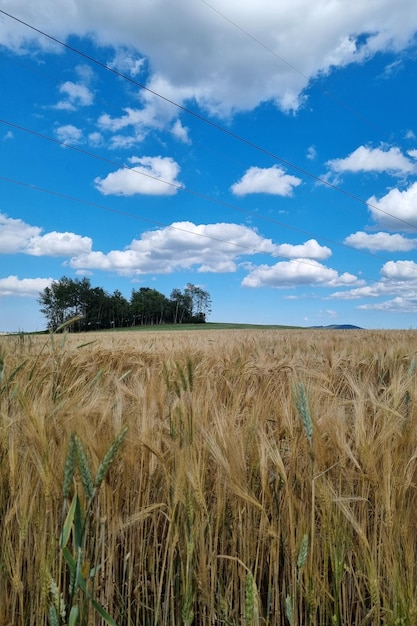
(209, 478)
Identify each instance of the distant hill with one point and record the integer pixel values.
(339, 327)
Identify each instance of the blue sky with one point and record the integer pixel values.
(290, 194)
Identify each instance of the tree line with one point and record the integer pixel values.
(96, 309)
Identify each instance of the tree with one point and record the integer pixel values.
(64, 299)
(182, 306)
(67, 298)
(201, 302)
(149, 306)
(120, 310)
(97, 309)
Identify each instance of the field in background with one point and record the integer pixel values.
(266, 477)
(206, 326)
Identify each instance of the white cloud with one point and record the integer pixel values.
(395, 292)
(18, 237)
(25, 287)
(181, 132)
(308, 250)
(295, 273)
(365, 159)
(366, 291)
(69, 134)
(15, 234)
(84, 73)
(380, 241)
(400, 304)
(150, 176)
(124, 142)
(400, 270)
(216, 63)
(392, 68)
(271, 180)
(184, 245)
(156, 113)
(311, 153)
(131, 117)
(95, 139)
(397, 210)
(76, 95)
(58, 245)
(127, 62)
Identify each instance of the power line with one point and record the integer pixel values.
(186, 190)
(171, 226)
(200, 117)
(230, 133)
(204, 146)
(292, 67)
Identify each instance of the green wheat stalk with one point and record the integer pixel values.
(109, 457)
(69, 467)
(288, 610)
(302, 406)
(302, 554)
(84, 468)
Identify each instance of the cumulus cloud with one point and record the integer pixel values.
(181, 132)
(400, 270)
(218, 247)
(127, 62)
(76, 95)
(124, 142)
(131, 117)
(311, 249)
(311, 153)
(295, 273)
(395, 292)
(95, 139)
(183, 245)
(397, 210)
(58, 245)
(380, 241)
(216, 63)
(18, 237)
(365, 159)
(400, 304)
(69, 134)
(154, 113)
(15, 234)
(271, 180)
(25, 287)
(155, 176)
(397, 277)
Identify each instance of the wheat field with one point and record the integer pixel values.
(215, 477)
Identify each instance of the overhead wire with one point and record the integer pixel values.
(100, 206)
(211, 123)
(291, 66)
(256, 215)
(204, 119)
(180, 187)
(204, 146)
